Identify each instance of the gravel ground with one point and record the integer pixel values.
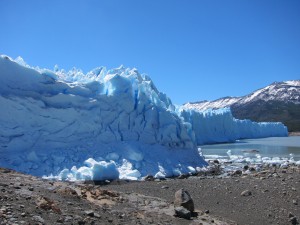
(25, 199)
(268, 197)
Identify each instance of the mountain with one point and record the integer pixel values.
(280, 101)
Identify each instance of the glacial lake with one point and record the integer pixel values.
(282, 147)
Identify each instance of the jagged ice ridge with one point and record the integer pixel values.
(105, 124)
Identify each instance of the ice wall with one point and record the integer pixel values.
(52, 120)
(219, 126)
(104, 124)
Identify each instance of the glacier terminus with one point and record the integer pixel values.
(105, 124)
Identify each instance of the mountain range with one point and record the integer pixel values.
(277, 102)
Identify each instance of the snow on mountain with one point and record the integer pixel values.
(288, 91)
(105, 124)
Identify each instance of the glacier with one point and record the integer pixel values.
(54, 122)
(105, 124)
(219, 126)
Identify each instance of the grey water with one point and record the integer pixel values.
(281, 147)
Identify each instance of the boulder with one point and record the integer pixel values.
(183, 198)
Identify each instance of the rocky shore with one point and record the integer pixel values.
(270, 196)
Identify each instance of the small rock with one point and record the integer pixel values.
(183, 213)
(291, 215)
(252, 169)
(38, 219)
(31, 189)
(164, 187)
(216, 161)
(246, 167)
(206, 211)
(183, 176)
(60, 220)
(295, 202)
(246, 193)
(183, 198)
(89, 213)
(68, 219)
(237, 172)
(293, 220)
(149, 178)
(97, 215)
(6, 171)
(81, 222)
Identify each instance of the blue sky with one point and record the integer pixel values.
(193, 50)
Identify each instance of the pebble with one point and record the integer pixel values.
(97, 215)
(31, 189)
(149, 178)
(295, 202)
(237, 172)
(68, 218)
(60, 220)
(89, 213)
(38, 219)
(293, 220)
(183, 213)
(81, 222)
(246, 167)
(291, 215)
(246, 193)
(183, 176)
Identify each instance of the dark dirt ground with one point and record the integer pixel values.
(274, 199)
(25, 199)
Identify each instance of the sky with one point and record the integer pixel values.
(193, 50)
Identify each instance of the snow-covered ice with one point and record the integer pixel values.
(104, 124)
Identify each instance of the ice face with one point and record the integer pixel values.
(219, 126)
(53, 120)
(104, 124)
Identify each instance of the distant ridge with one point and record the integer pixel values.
(277, 102)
